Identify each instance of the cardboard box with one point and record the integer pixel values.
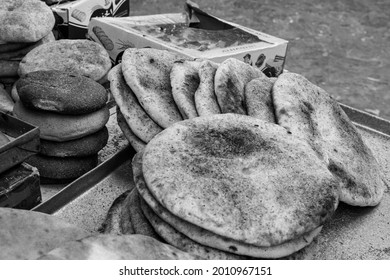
(24, 142)
(72, 17)
(208, 37)
(20, 187)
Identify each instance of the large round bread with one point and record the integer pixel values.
(27, 234)
(147, 73)
(62, 168)
(84, 57)
(81, 147)
(241, 178)
(130, 109)
(118, 247)
(207, 238)
(310, 113)
(61, 92)
(182, 242)
(230, 79)
(24, 20)
(185, 81)
(60, 128)
(134, 141)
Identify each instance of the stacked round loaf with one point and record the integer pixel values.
(71, 113)
(24, 25)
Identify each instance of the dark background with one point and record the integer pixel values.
(342, 46)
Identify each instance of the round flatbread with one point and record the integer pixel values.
(140, 223)
(147, 72)
(60, 168)
(118, 247)
(61, 92)
(20, 53)
(118, 220)
(25, 20)
(207, 238)
(28, 234)
(230, 79)
(84, 57)
(134, 141)
(182, 242)
(60, 128)
(258, 99)
(135, 116)
(205, 100)
(309, 112)
(185, 81)
(241, 178)
(85, 146)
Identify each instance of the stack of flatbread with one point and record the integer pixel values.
(24, 25)
(231, 163)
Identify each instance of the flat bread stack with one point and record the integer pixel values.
(71, 113)
(24, 25)
(231, 187)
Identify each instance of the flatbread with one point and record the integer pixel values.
(140, 224)
(147, 72)
(185, 81)
(134, 141)
(241, 178)
(135, 116)
(182, 242)
(230, 79)
(117, 247)
(60, 128)
(309, 112)
(61, 92)
(205, 99)
(258, 99)
(117, 220)
(85, 146)
(84, 57)
(27, 235)
(25, 20)
(20, 53)
(207, 238)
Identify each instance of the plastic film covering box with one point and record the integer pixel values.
(73, 17)
(195, 34)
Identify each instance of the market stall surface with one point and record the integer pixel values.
(342, 46)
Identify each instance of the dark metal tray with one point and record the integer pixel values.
(352, 233)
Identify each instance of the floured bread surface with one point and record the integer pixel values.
(25, 20)
(28, 234)
(185, 81)
(258, 99)
(147, 72)
(84, 57)
(309, 112)
(230, 79)
(205, 98)
(185, 230)
(118, 247)
(134, 115)
(241, 178)
(134, 141)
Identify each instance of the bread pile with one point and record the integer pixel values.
(231, 163)
(71, 113)
(24, 25)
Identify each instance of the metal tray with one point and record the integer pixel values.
(352, 233)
